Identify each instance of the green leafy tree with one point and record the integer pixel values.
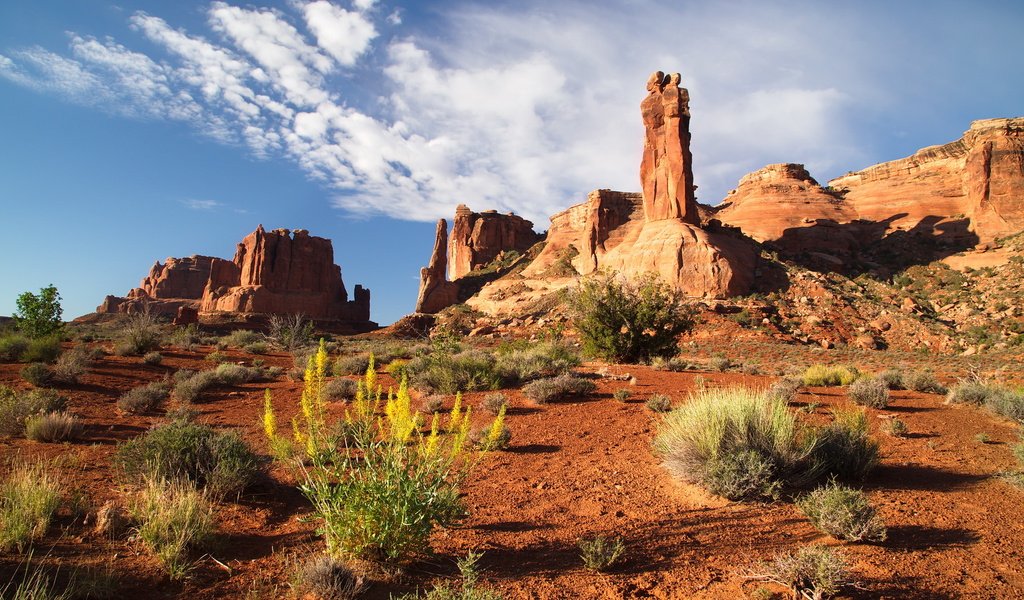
(39, 315)
(629, 321)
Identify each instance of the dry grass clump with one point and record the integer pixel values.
(71, 365)
(923, 381)
(895, 427)
(622, 394)
(340, 389)
(845, 448)
(812, 572)
(871, 392)
(174, 519)
(996, 398)
(327, 578)
(545, 359)
(143, 398)
(139, 334)
(17, 407)
(557, 388)
(830, 375)
(659, 403)
(153, 358)
(785, 389)
(494, 403)
(844, 513)
(29, 497)
(354, 364)
(38, 374)
(53, 427)
(242, 337)
(433, 404)
(446, 373)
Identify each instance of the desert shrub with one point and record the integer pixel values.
(44, 349)
(629, 321)
(467, 589)
(869, 391)
(830, 375)
(13, 346)
(216, 357)
(1008, 403)
(17, 407)
(557, 388)
(143, 398)
(71, 365)
(996, 398)
(545, 359)
(191, 387)
(354, 364)
(290, 331)
(38, 374)
(433, 404)
(494, 403)
(340, 389)
(844, 513)
(327, 578)
(397, 368)
(659, 403)
(892, 378)
(256, 348)
(383, 493)
(467, 371)
(923, 381)
(219, 462)
(174, 519)
(495, 436)
(39, 315)
(139, 334)
(242, 337)
(895, 427)
(186, 337)
(785, 389)
(737, 442)
(845, 448)
(600, 553)
(812, 572)
(675, 363)
(232, 374)
(720, 364)
(53, 427)
(29, 497)
(622, 394)
(152, 358)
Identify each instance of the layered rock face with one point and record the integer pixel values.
(276, 272)
(979, 176)
(666, 170)
(478, 238)
(436, 292)
(283, 272)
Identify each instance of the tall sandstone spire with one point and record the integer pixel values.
(666, 170)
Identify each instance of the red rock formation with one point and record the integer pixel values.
(283, 272)
(979, 176)
(436, 292)
(177, 278)
(478, 238)
(666, 170)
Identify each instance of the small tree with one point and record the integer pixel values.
(629, 321)
(39, 315)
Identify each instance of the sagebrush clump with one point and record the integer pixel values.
(558, 388)
(830, 375)
(843, 512)
(871, 392)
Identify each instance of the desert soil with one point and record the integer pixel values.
(575, 469)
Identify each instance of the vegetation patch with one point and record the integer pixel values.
(552, 389)
(29, 497)
(844, 513)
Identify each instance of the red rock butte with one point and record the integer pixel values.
(275, 272)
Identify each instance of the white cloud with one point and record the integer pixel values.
(345, 35)
(515, 106)
(202, 205)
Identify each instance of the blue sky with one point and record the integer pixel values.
(134, 131)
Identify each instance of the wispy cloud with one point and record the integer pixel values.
(203, 205)
(515, 106)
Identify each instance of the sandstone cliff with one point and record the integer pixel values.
(272, 272)
(436, 292)
(478, 238)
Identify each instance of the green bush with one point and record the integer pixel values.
(29, 497)
(355, 364)
(39, 315)
(997, 398)
(844, 513)
(17, 407)
(232, 374)
(893, 379)
(466, 590)
(737, 442)
(895, 427)
(468, 371)
(13, 346)
(140, 333)
(242, 337)
(37, 374)
(256, 348)
(44, 349)
(143, 398)
(545, 359)
(845, 448)
(600, 553)
(53, 427)
(186, 337)
(622, 394)
(830, 375)
(219, 462)
(152, 358)
(626, 321)
(191, 387)
(871, 392)
(494, 403)
(923, 381)
(174, 519)
(551, 389)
